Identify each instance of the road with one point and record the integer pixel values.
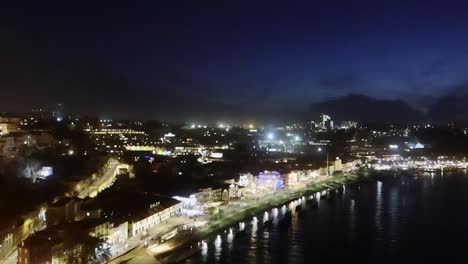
(12, 259)
(104, 181)
(135, 252)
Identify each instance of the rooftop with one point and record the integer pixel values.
(129, 204)
(51, 236)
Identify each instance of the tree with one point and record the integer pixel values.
(81, 248)
(32, 168)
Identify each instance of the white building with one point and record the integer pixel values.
(157, 213)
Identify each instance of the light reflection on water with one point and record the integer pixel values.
(218, 249)
(379, 215)
(230, 237)
(392, 218)
(283, 209)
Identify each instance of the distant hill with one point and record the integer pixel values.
(452, 107)
(367, 109)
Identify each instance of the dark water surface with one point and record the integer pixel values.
(397, 219)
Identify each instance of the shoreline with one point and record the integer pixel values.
(183, 248)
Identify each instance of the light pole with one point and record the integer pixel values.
(328, 167)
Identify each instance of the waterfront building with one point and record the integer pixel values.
(290, 179)
(158, 212)
(245, 179)
(268, 181)
(118, 232)
(209, 195)
(337, 164)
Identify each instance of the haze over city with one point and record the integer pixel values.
(215, 60)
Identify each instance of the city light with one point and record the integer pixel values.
(158, 249)
(270, 136)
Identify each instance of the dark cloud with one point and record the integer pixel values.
(158, 60)
(347, 82)
(451, 107)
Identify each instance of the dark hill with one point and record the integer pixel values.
(367, 109)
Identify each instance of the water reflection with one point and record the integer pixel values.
(283, 209)
(265, 217)
(241, 226)
(204, 250)
(397, 216)
(352, 220)
(274, 212)
(217, 243)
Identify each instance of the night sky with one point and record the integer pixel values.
(228, 59)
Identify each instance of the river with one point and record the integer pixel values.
(397, 218)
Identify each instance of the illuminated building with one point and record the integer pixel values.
(157, 212)
(114, 131)
(115, 140)
(7, 128)
(14, 233)
(348, 124)
(208, 195)
(327, 122)
(99, 227)
(118, 233)
(312, 125)
(337, 164)
(41, 247)
(415, 145)
(245, 179)
(9, 125)
(290, 179)
(8, 146)
(269, 181)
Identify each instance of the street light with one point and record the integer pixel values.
(270, 136)
(328, 167)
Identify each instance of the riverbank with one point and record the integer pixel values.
(395, 217)
(228, 215)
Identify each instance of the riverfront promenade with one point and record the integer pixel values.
(231, 214)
